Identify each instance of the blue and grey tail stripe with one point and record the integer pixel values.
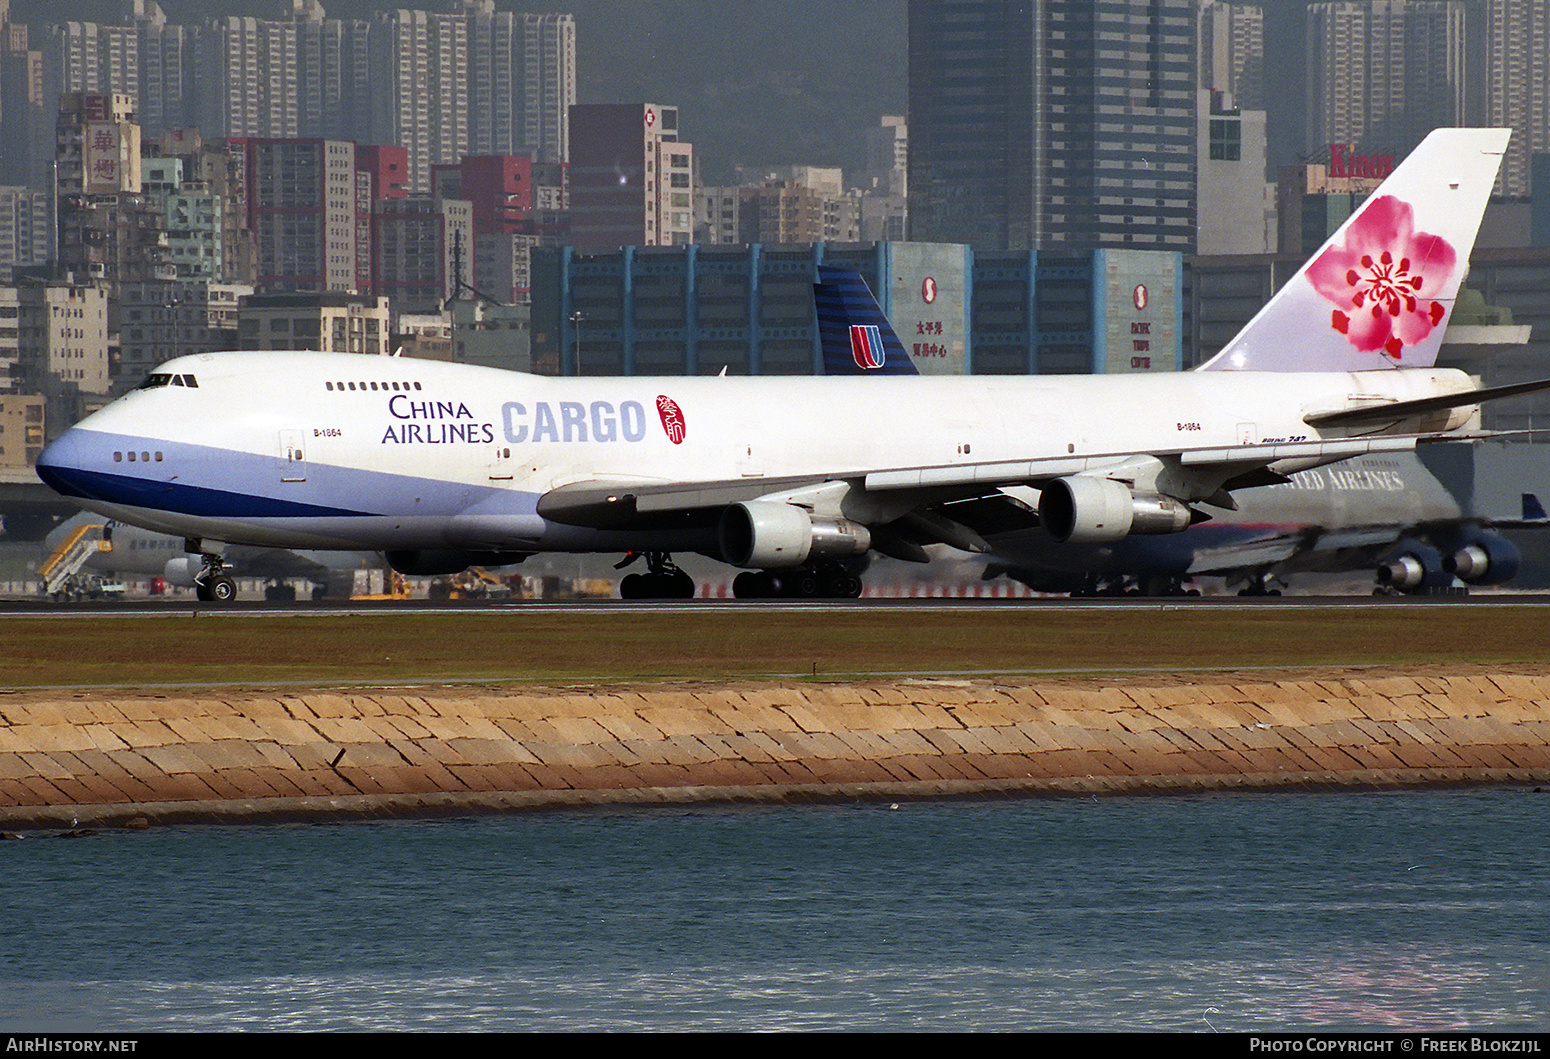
(844, 301)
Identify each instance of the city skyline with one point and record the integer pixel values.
(749, 96)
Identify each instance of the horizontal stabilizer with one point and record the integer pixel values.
(1394, 410)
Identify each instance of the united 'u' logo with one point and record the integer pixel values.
(866, 345)
(672, 419)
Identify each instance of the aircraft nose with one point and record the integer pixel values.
(60, 464)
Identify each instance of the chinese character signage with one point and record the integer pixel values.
(928, 307)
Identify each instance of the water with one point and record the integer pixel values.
(1235, 912)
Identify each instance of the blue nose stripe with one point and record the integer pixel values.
(59, 464)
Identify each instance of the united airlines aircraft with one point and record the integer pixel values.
(443, 466)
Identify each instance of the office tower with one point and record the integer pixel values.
(631, 179)
(423, 254)
(1383, 74)
(304, 202)
(1518, 83)
(1066, 123)
(1235, 205)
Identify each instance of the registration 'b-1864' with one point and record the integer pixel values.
(446, 465)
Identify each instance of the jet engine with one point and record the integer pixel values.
(769, 535)
(181, 571)
(1096, 510)
(1486, 560)
(432, 562)
(1414, 566)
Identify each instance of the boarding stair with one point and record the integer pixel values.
(72, 554)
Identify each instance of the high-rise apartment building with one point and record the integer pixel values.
(472, 80)
(631, 178)
(1517, 79)
(422, 100)
(442, 84)
(1066, 123)
(25, 235)
(522, 71)
(26, 124)
(1232, 51)
(1381, 74)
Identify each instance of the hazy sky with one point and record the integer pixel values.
(777, 81)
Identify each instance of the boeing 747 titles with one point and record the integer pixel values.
(444, 466)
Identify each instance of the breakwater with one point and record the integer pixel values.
(99, 758)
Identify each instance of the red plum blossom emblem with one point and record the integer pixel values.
(672, 419)
(1383, 282)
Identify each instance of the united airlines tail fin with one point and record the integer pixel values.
(1380, 291)
(857, 338)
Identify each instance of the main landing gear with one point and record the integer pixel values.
(662, 579)
(826, 580)
(213, 584)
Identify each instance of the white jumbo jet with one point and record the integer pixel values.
(444, 466)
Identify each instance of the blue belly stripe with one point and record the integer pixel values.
(176, 497)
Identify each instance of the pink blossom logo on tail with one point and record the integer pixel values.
(672, 419)
(1384, 281)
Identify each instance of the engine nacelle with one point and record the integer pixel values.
(181, 571)
(769, 535)
(1414, 567)
(1096, 510)
(1488, 560)
(432, 562)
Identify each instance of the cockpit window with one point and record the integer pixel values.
(158, 378)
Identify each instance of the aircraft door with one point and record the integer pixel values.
(294, 453)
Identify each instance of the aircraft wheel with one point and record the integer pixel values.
(631, 588)
(680, 586)
(221, 589)
(749, 585)
(803, 584)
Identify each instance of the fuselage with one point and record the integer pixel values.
(330, 450)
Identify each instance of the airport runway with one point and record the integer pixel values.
(39, 608)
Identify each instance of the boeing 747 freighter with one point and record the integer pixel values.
(443, 466)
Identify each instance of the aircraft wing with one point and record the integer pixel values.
(613, 503)
(1297, 550)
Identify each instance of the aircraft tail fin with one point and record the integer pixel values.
(857, 338)
(1380, 291)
